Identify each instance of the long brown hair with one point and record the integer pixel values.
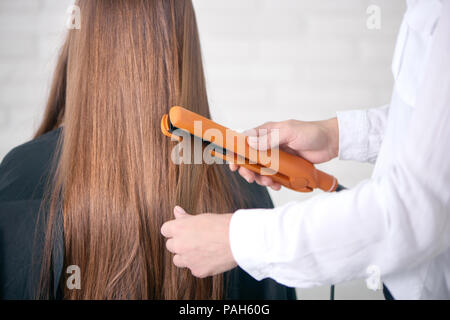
(114, 181)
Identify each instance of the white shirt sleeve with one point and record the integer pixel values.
(394, 222)
(361, 133)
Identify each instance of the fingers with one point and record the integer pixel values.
(267, 136)
(267, 126)
(267, 140)
(264, 181)
(170, 245)
(276, 186)
(178, 261)
(167, 229)
(173, 246)
(270, 135)
(247, 174)
(180, 213)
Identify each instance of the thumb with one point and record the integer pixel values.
(268, 136)
(179, 212)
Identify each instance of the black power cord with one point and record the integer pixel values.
(339, 188)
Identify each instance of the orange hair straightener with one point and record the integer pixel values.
(293, 172)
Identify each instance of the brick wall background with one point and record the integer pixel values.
(266, 60)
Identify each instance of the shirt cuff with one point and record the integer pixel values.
(353, 135)
(248, 241)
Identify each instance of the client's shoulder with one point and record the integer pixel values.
(36, 147)
(24, 168)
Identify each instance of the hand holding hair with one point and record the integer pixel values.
(200, 242)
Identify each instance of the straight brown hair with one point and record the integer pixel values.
(114, 182)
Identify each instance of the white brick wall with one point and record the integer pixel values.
(265, 60)
(30, 31)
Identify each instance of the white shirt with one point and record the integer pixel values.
(397, 221)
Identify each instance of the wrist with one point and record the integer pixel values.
(332, 131)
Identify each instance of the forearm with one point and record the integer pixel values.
(335, 237)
